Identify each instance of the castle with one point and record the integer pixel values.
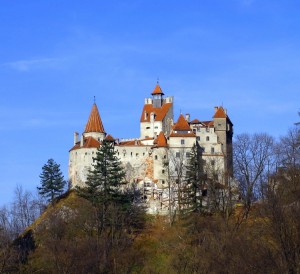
(156, 160)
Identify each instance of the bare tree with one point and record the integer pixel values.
(253, 163)
(24, 210)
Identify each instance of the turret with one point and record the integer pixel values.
(224, 131)
(157, 95)
(94, 126)
(156, 115)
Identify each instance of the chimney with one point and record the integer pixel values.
(187, 117)
(81, 141)
(75, 138)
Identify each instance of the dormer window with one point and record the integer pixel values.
(145, 115)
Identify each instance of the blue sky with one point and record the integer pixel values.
(56, 55)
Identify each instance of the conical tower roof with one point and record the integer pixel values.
(157, 90)
(182, 124)
(94, 123)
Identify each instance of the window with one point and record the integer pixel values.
(207, 129)
(131, 153)
(147, 127)
(163, 171)
(182, 141)
(207, 138)
(198, 138)
(137, 155)
(155, 157)
(188, 155)
(177, 154)
(212, 150)
(194, 130)
(204, 192)
(165, 156)
(212, 162)
(163, 182)
(198, 129)
(156, 127)
(143, 153)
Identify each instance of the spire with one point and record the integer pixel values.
(157, 90)
(94, 123)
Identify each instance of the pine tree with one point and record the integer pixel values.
(195, 180)
(52, 181)
(104, 181)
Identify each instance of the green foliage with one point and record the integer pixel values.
(52, 181)
(105, 180)
(192, 191)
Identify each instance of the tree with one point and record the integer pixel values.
(104, 181)
(52, 181)
(253, 162)
(115, 214)
(195, 180)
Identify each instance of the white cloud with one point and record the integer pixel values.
(26, 65)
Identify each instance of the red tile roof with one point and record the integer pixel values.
(208, 123)
(109, 138)
(131, 143)
(191, 134)
(157, 90)
(88, 142)
(94, 123)
(195, 121)
(161, 140)
(160, 113)
(220, 113)
(182, 124)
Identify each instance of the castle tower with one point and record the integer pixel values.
(224, 130)
(94, 126)
(157, 114)
(157, 96)
(83, 151)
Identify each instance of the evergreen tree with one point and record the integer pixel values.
(104, 181)
(195, 180)
(52, 181)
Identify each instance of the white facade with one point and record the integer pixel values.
(152, 162)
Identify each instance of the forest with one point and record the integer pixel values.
(102, 228)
